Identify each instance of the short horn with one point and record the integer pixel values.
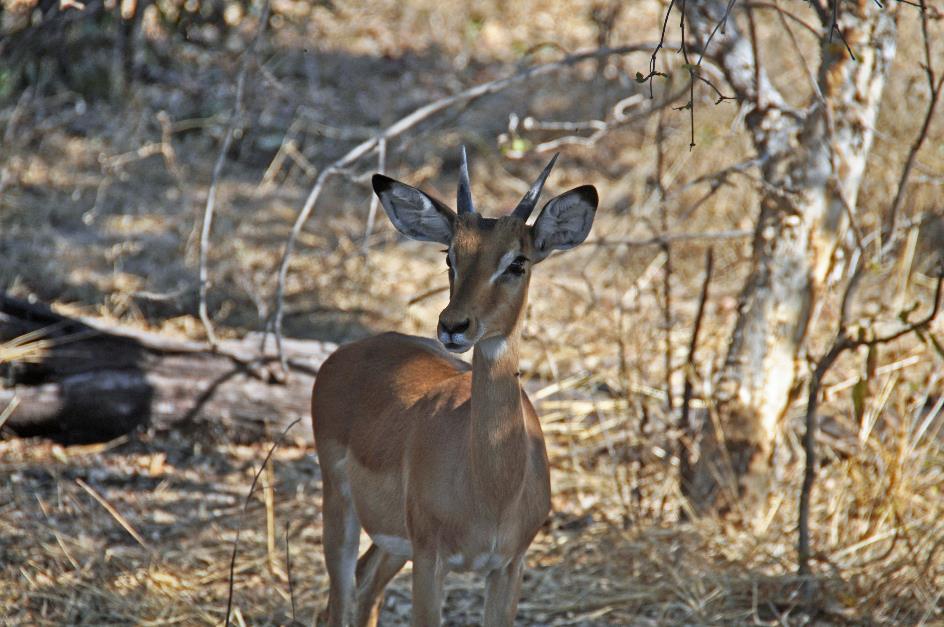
(527, 204)
(464, 197)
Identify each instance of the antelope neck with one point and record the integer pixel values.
(498, 433)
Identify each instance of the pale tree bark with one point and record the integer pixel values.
(812, 163)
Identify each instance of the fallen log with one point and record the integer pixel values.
(77, 380)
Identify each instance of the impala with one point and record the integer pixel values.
(441, 462)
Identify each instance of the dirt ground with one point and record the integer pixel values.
(100, 214)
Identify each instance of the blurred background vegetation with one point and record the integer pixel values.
(112, 116)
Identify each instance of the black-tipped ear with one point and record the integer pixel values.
(565, 221)
(413, 212)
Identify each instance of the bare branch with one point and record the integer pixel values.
(427, 294)
(733, 52)
(935, 85)
(655, 53)
(601, 128)
(909, 328)
(809, 446)
(288, 572)
(234, 117)
(671, 238)
(836, 29)
(374, 199)
(758, 96)
(691, 77)
(252, 487)
(721, 96)
(667, 266)
(403, 125)
(784, 14)
(721, 23)
(684, 424)
(851, 287)
(692, 69)
(820, 10)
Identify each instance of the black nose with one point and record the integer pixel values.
(452, 328)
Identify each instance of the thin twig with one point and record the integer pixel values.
(691, 76)
(685, 427)
(820, 11)
(834, 28)
(661, 240)
(694, 69)
(208, 210)
(374, 199)
(798, 51)
(718, 25)
(8, 411)
(121, 520)
(784, 14)
(935, 85)
(667, 267)
(655, 53)
(268, 492)
(600, 128)
(288, 572)
(759, 104)
(239, 527)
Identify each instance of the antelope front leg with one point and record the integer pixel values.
(428, 578)
(503, 588)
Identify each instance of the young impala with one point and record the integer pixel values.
(439, 461)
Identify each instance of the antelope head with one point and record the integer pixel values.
(489, 259)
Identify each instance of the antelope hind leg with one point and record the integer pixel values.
(375, 569)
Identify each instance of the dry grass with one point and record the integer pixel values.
(613, 551)
(90, 220)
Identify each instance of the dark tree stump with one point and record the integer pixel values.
(93, 383)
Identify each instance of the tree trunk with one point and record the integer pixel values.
(812, 165)
(86, 383)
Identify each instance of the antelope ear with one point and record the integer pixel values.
(565, 221)
(414, 213)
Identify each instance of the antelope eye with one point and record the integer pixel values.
(516, 267)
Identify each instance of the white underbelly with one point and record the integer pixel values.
(479, 562)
